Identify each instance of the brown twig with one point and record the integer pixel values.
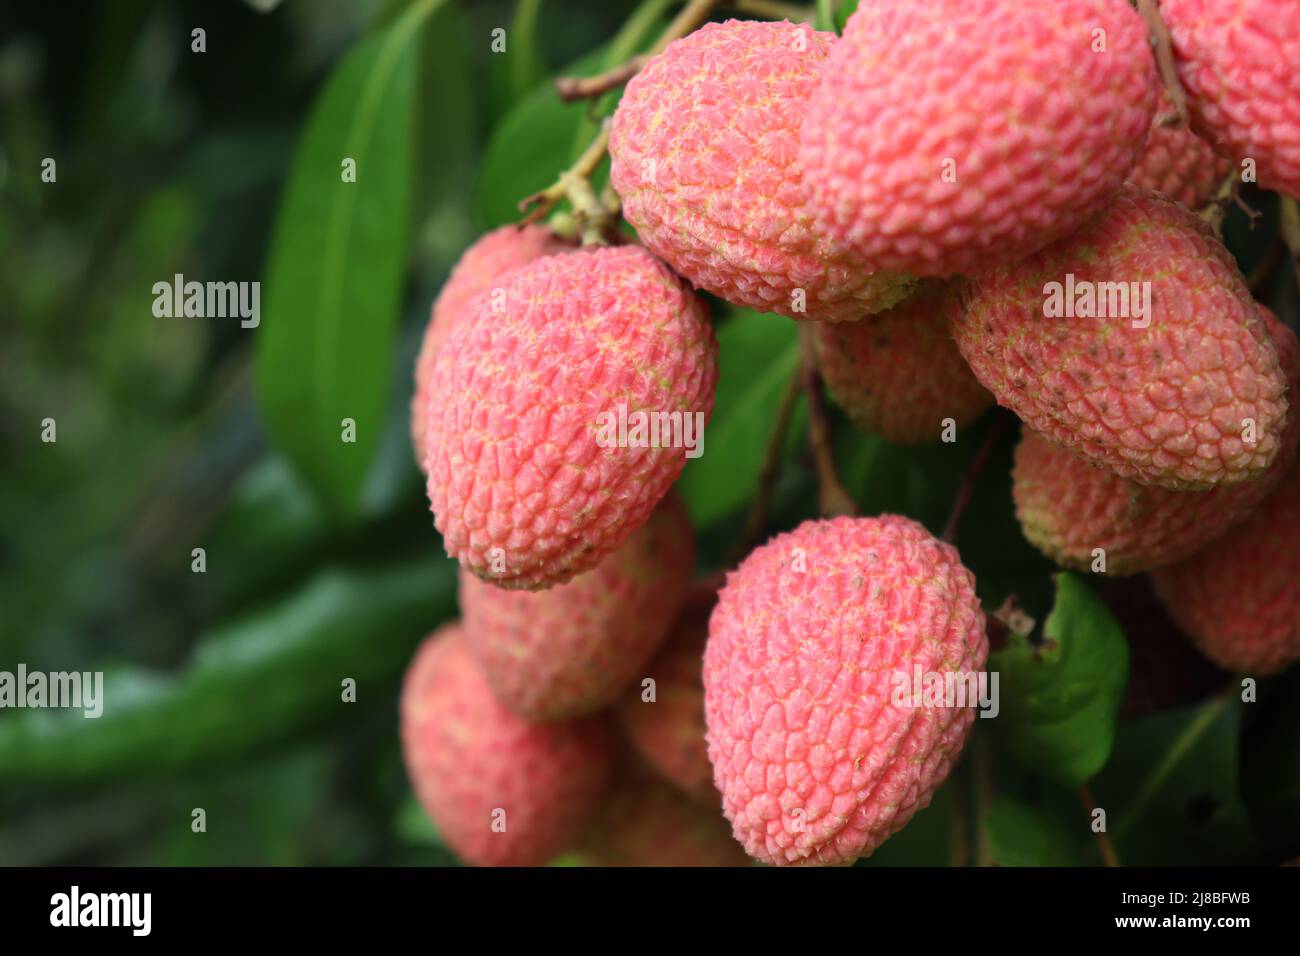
(971, 476)
(1108, 854)
(1164, 50)
(573, 88)
(834, 499)
(771, 467)
(1291, 232)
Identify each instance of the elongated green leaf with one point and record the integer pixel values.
(1021, 834)
(1060, 699)
(334, 276)
(757, 355)
(271, 674)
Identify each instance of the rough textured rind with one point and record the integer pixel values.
(948, 136)
(703, 152)
(1067, 506)
(573, 649)
(1236, 60)
(519, 399)
(1239, 599)
(469, 757)
(816, 759)
(668, 732)
(898, 373)
(648, 823)
(1165, 404)
(1178, 163)
(488, 259)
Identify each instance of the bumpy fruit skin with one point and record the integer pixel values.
(668, 732)
(898, 373)
(520, 402)
(703, 154)
(1163, 404)
(1239, 599)
(948, 136)
(1068, 506)
(468, 757)
(648, 823)
(1236, 60)
(573, 649)
(1178, 163)
(817, 760)
(491, 257)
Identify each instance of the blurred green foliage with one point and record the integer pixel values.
(321, 560)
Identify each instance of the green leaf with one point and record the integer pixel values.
(1060, 699)
(757, 355)
(1270, 764)
(1022, 834)
(272, 674)
(517, 70)
(334, 274)
(845, 10)
(529, 148)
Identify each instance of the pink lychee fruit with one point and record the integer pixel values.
(483, 263)
(1135, 343)
(563, 411)
(945, 137)
(898, 373)
(667, 726)
(500, 791)
(1236, 60)
(1239, 599)
(1178, 163)
(703, 151)
(646, 822)
(573, 649)
(819, 746)
(1069, 508)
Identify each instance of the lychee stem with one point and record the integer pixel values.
(1164, 51)
(834, 499)
(571, 88)
(1291, 232)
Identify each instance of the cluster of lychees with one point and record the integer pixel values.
(969, 202)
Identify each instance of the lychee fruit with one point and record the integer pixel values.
(491, 257)
(646, 822)
(1236, 61)
(573, 649)
(898, 373)
(667, 729)
(703, 151)
(1239, 599)
(1178, 163)
(563, 411)
(819, 746)
(1069, 507)
(944, 137)
(1135, 343)
(500, 791)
